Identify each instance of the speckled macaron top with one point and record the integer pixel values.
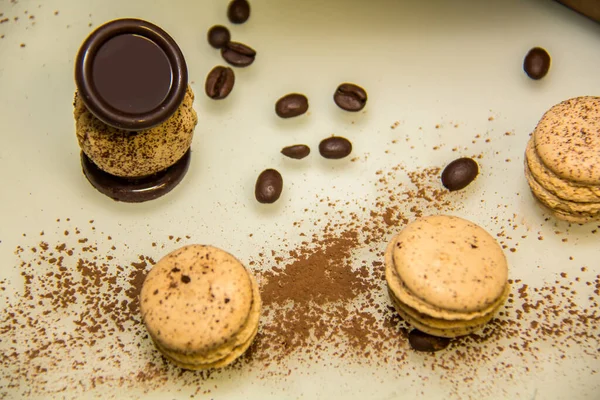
(450, 263)
(136, 154)
(567, 139)
(196, 299)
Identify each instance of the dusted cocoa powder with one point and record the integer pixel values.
(325, 303)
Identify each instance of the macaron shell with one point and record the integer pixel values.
(452, 332)
(561, 188)
(440, 323)
(224, 356)
(197, 300)
(451, 264)
(572, 218)
(591, 210)
(136, 154)
(397, 287)
(567, 140)
(197, 366)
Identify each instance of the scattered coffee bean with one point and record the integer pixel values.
(350, 97)
(238, 54)
(218, 36)
(459, 173)
(297, 151)
(335, 147)
(291, 105)
(422, 341)
(268, 186)
(537, 63)
(238, 11)
(219, 82)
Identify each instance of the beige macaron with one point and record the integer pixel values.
(136, 154)
(446, 275)
(562, 160)
(201, 307)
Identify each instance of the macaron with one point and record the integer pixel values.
(446, 276)
(562, 160)
(128, 154)
(201, 307)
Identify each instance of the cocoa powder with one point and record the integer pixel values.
(324, 300)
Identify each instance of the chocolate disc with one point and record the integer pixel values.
(131, 74)
(135, 190)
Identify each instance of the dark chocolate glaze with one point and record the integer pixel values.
(135, 190)
(132, 74)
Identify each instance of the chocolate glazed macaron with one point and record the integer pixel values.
(133, 110)
(201, 307)
(446, 276)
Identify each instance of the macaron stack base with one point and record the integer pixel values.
(562, 160)
(201, 307)
(446, 276)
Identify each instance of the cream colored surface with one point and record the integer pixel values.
(463, 66)
(440, 258)
(136, 154)
(561, 188)
(209, 318)
(567, 140)
(567, 210)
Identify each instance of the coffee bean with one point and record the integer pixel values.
(268, 186)
(537, 63)
(335, 147)
(218, 36)
(291, 105)
(297, 151)
(459, 173)
(350, 97)
(422, 341)
(219, 82)
(238, 54)
(238, 11)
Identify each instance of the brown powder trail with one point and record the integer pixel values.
(328, 294)
(321, 276)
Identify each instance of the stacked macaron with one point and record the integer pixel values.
(201, 307)
(562, 160)
(446, 276)
(133, 155)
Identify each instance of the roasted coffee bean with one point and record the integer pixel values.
(335, 147)
(218, 36)
(459, 173)
(422, 341)
(238, 11)
(350, 97)
(537, 63)
(219, 82)
(291, 105)
(297, 151)
(238, 54)
(268, 186)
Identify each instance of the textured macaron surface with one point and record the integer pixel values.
(450, 263)
(196, 299)
(567, 139)
(136, 154)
